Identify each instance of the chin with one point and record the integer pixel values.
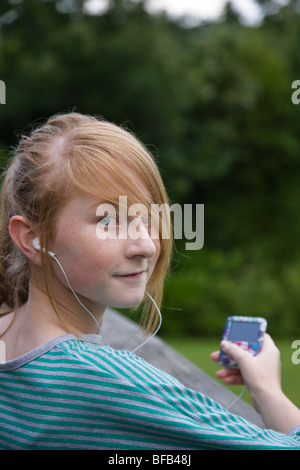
(129, 302)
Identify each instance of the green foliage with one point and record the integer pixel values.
(211, 285)
(213, 103)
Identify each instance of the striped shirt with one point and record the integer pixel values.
(73, 393)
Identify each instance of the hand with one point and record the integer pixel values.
(229, 375)
(261, 374)
(257, 372)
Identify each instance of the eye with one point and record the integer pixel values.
(108, 221)
(145, 221)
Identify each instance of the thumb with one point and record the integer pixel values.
(238, 354)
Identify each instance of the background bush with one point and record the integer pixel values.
(214, 284)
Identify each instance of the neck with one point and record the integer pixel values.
(36, 322)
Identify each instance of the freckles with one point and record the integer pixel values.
(67, 237)
(98, 256)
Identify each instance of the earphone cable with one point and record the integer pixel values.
(93, 317)
(159, 325)
(79, 301)
(237, 398)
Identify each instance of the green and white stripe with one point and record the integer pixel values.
(76, 394)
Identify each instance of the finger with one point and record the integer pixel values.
(234, 380)
(235, 352)
(227, 372)
(230, 376)
(214, 355)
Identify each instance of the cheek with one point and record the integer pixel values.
(83, 258)
(86, 273)
(91, 261)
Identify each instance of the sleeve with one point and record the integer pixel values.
(176, 417)
(193, 421)
(295, 431)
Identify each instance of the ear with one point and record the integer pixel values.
(22, 235)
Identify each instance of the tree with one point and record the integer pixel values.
(213, 102)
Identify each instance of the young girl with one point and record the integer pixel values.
(59, 387)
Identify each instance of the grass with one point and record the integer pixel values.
(198, 351)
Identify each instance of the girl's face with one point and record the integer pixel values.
(109, 272)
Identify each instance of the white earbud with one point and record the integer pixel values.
(36, 246)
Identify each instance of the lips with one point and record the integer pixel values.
(133, 275)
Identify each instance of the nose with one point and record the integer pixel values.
(139, 242)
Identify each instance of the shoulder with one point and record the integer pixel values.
(124, 372)
(104, 360)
